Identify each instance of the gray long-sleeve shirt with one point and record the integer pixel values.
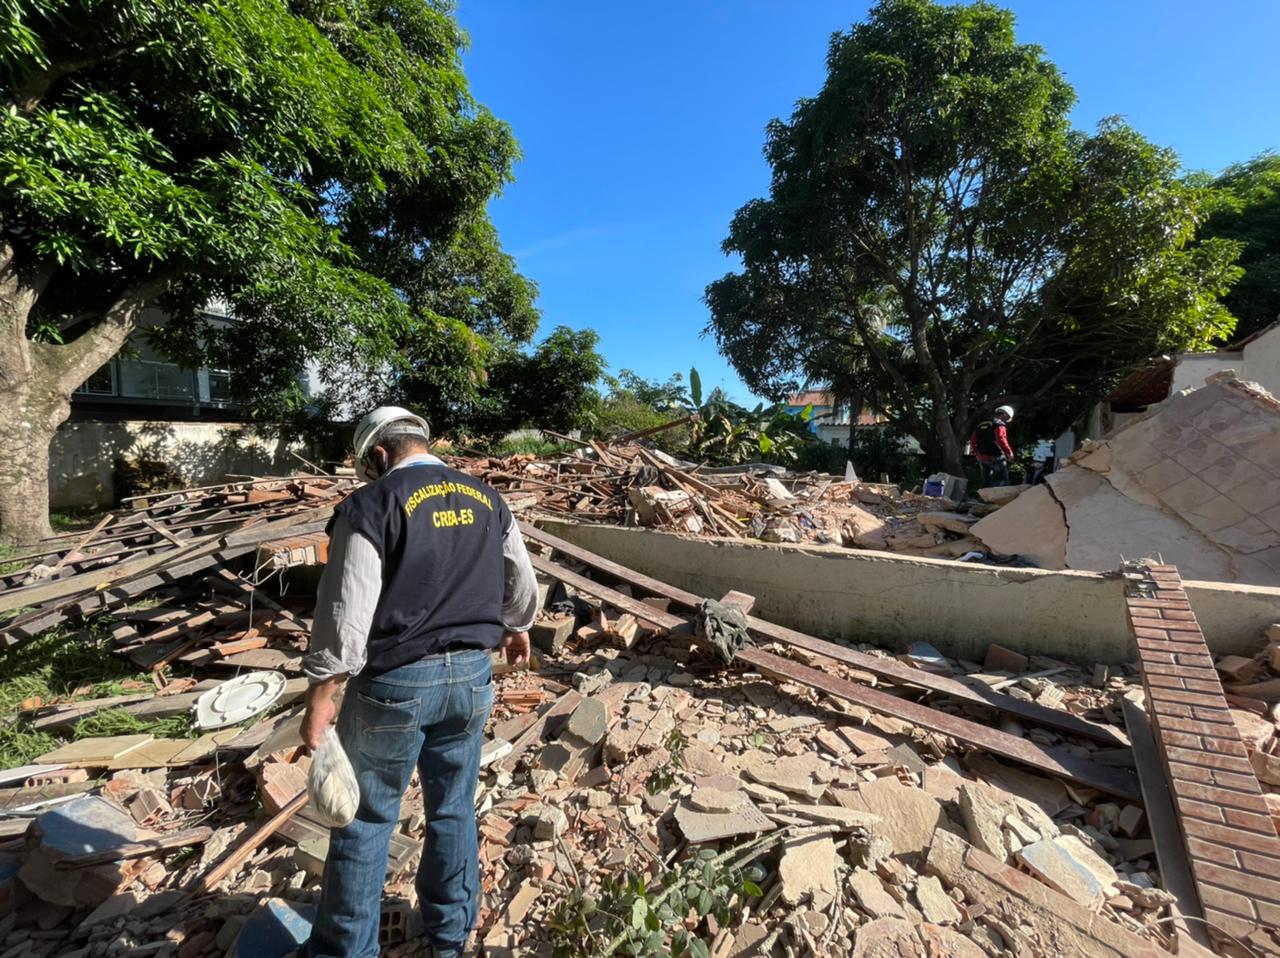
(352, 583)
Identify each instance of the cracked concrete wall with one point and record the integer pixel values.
(1196, 481)
(892, 600)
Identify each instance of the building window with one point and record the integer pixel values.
(101, 383)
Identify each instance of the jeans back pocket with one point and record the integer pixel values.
(481, 705)
(386, 728)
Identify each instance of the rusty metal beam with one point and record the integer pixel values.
(1116, 781)
(889, 669)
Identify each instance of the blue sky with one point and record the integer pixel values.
(642, 127)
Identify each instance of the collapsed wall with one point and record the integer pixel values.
(1195, 481)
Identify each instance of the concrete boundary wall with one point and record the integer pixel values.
(893, 600)
(84, 455)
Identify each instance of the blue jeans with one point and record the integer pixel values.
(432, 714)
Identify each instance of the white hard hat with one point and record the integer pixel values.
(1006, 411)
(378, 423)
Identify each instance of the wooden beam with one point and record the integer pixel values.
(238, 855)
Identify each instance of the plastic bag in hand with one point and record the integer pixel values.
(332, 785)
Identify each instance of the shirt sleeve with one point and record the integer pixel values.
(1002, 440)
(520, 585)
(346, 600)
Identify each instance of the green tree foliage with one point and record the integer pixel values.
(939, 240)
(550, 387)
(1250, 214)
(632, 403)
(317, 164)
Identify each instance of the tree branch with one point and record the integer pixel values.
(28, 94)
(79, 359)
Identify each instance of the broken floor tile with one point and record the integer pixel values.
(807, 869)
(1056, 867)
(698, 827)
(908, 816)
(887, 938)
(935, 904)
(872, 897)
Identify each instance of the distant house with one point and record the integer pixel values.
(831, 421)
(140, 384)
(1255, 358)
(142, 422)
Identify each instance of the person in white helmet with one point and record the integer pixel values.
(990, 445)
(427, 574)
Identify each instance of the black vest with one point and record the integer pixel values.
(439, 533)
(986, 443)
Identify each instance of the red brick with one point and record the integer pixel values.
(1227, 763)
(1226, 746)
(1231, 924)
(1169, 625)
(1156, 658)
(1166, 682)
(1269, 914)
(1262, 864)
(1181, 739)
(1242, 783)
(1219, 713)
(1262, 824)
(1201, 660)
(1246, 801)
(1257, 887)
(1161, 708)
(1168, 668)
(1189, 698)
(1146, 632)
(1194, 726)
(1204, 685)
(1234, 837)
(1182, 626)
(1202, 850)
(1155, 604)
(1200, 810)
(1231, 902)
(1185, 615)
(1181, 772)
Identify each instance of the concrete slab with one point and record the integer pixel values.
(699, 827)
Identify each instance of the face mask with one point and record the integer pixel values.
(369, 468)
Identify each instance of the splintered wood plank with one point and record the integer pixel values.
(93, 752)
(283, 660)
(174, 753)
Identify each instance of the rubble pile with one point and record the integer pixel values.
(632, 485)
(642, 791)
(1252, 684)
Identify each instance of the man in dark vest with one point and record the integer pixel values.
(427, 574)
(990, 445)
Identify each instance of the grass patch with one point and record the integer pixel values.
(56, 666)
(7, 566)
(117, 721)
(76, 519)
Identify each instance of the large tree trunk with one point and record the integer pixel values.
(27, 426)
(36, 382)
